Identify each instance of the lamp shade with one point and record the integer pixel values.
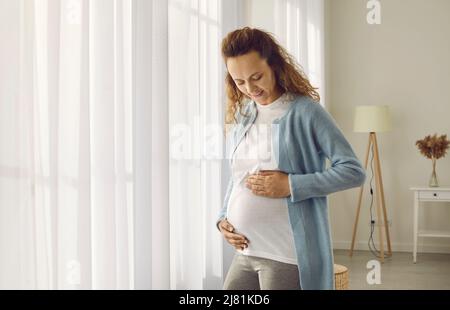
(372, 118)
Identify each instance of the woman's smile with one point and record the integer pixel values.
(258, 94)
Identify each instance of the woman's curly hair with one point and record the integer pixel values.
(289, 75)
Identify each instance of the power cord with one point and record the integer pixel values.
(371, 242)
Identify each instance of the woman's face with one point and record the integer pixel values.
(254, 77)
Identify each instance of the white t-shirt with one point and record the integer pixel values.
(264, 221)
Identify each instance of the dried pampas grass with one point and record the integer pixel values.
(433, 147)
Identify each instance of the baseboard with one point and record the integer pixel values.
(396, 247)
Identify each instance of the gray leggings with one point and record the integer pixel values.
(256, 273)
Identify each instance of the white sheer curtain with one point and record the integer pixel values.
(196, 79)
(299, 26)
(84, 143)
(75, 156)
(89, 194)
(195, 102)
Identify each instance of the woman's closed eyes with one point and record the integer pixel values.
(255, 78)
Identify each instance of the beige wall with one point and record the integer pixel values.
(405, 63)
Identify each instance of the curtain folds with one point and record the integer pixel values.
(86, 201)
(67, 172)
(195, 109)
(299, 26)
(112, 167)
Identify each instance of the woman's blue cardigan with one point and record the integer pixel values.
(302, 140)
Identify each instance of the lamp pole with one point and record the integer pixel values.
(381, 207)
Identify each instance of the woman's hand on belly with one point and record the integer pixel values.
(269, 183)
(239, 241)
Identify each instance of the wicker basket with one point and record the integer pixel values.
(340, 277)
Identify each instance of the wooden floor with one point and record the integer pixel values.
(431, 272)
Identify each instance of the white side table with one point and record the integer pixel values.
(432, 194)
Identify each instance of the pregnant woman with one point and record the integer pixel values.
(275, 208)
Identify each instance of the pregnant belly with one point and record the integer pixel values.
(251, 214)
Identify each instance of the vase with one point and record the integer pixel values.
(433, 179)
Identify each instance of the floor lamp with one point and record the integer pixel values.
(373, 119)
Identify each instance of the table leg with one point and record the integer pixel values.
(416, 224)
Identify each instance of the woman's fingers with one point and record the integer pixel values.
(237, 240)
(267, 172)
(255, 181)
(227, 226)
(236, 237)
(238, 243)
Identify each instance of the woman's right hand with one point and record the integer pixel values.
(239, 241)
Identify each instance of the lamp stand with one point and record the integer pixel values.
(380, 203)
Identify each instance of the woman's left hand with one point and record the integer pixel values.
(269, 183)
